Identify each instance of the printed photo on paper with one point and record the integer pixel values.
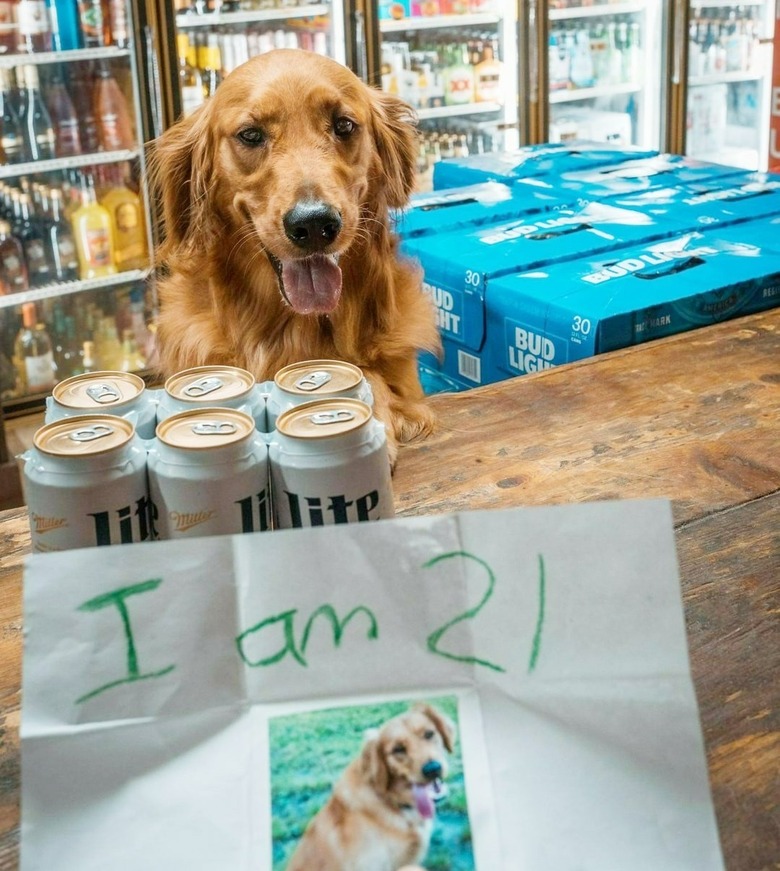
(371, 787)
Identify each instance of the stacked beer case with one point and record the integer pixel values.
(555, 253)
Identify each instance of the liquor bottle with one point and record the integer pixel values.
(581, 72)
(89, 362)
(458, 77)
(12, 137)
(8, 28)
(33, 26)
(38, 130)
(131, 249)
(33, 354)
(33, 241)
(132, 360)
(92, 234)
(114, 124)
(211, 65)
(81, 81)
(118, 23)
(62, 247)
(190, 80)
(13, 267)
(108, 348)
(93, 19)
(487, 76)
(66, 36)
(63, 116)
(72, 352)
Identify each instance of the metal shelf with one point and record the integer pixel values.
(601, 11)
(434, 22)
(575, 95)
(67, 288)
(455, 111)
(211, 19)
(724, 78)
(108, 52)
(35, 167)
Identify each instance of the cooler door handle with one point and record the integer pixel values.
(153, 74)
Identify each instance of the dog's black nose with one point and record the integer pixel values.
(431, 770)
(312, 225)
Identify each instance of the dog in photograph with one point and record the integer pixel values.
(278, 246)
(380, 814)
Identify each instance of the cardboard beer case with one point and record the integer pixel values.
(531, 161)
(701, 205)
(569, 311)
(460, 266)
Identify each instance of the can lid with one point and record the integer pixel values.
(318, 377)
(323, 419)
(205, 428)
(84, 435)
(95, 390)
(209, 385)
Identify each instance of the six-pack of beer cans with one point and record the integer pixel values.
(213, 452)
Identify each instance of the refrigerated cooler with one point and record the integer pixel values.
(75, 227)
(727, 77)
(599, 71)
(201, 41)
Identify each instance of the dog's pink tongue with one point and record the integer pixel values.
(313, 285)
(423, 801)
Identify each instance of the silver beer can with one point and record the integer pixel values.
(117, 393)
(312, 380)
(208, 475)
(329, 464)
(213, 387)
(85, 484)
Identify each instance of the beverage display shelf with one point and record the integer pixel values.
(108, 52)
(37, 167)
(574, 95)
(725, 78)
(51, 291)
(454, 111)
(435, 22)
(210, 19)
(710, 4)
(598, 11)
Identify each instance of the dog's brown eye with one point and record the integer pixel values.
(398, 750)
(343, 127)
(251, 136)
(428, 734)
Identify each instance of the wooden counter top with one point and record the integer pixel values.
(695, 418)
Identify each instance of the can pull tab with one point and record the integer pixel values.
(340, 415)
(90, 433)
(103, 393)
(214, 427)
(202, 387)
(314, 380)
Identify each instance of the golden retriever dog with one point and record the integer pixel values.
(278, 247)
(380, 814)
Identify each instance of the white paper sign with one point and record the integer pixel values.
(507, 690)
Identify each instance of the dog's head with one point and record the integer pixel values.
(406, 760)
(293, 159)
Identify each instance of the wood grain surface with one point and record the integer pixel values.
(694, 418)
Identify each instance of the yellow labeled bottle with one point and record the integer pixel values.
(131, 247)
(92, 233)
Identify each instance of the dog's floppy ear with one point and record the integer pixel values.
(444, 725)
(374, 765)
(396, 141)
(180, 165)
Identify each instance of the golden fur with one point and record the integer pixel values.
(370, 822)
(323, 137)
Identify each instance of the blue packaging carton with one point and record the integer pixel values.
(572, 310)
(636, 176)
(459, 267)
(702, 205)
(530, 161)
(472, 205)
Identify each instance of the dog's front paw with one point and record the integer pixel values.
(414, 420)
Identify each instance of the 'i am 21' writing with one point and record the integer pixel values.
(290, 630)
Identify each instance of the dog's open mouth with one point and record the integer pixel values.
(426, 795)
(311, 285)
